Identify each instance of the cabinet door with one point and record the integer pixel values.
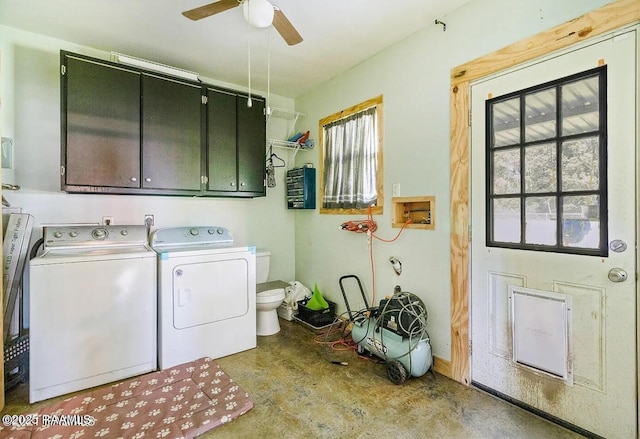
(101, 136)
(251, 143)
(171, 118)
(221, 168)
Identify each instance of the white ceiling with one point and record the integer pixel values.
(338, 34)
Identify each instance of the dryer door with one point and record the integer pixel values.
(210, 291)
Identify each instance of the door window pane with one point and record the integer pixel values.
(581, 221)
(540, 115)
(581, 106)
(540, 220)
(506, 122)
(506, 171)
(506, 220)
(581, 164)
(540, 168)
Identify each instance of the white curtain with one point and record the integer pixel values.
(351, 161)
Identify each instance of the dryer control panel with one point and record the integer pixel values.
(185, 236)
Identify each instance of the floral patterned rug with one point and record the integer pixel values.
(181, 402)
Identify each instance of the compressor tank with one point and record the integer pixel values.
(413, 353)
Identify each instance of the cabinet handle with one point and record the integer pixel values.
(147, 179)
(134, 179)
(242, 184)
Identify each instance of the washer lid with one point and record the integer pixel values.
(92, 254)
(187, 236)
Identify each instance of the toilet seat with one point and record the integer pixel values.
(270, 295)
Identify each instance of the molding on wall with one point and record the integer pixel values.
(443, 367)
(605, 19)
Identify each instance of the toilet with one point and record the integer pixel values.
(269, 296)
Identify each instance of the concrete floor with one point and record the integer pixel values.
(298, 393)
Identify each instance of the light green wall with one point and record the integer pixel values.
(413, 76)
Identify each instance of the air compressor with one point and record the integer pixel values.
(396, 332)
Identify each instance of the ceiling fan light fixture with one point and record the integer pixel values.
(258, 13)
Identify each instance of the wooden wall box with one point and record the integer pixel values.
(420, 210)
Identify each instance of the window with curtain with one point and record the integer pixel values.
(351, 174)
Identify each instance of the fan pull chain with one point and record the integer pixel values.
(269, 73)
(249, 102)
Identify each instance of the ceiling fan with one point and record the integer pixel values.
(258, 13)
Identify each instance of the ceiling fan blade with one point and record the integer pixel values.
(285, 28)
(210, 9)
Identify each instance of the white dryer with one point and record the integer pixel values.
(92, 308)
(206, 294)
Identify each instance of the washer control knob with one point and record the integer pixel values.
(220, 231)
(73, 234)
(212, 231)
(194, 232)
(57, 234)
(124, 232)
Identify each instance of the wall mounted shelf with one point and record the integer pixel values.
(283, 114)
(421, 211)
(276, 143)
(292, 117)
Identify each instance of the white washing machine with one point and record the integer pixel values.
(93, 309)
(206, 294)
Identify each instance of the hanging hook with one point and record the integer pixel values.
(282, 162)
(444, 25)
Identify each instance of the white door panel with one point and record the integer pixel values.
(601, 397)
(209, 292)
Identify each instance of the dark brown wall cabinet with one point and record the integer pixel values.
(171, 141)
(102, 140)
(131, 131)
(236, 136)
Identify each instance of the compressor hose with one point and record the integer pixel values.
(414, 312)
(409, 314)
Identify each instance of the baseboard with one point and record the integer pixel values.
(443, 367)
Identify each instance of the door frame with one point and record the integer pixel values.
(2, 398)
(605, 19)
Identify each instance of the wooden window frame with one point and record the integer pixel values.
(378, 209)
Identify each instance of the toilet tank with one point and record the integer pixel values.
(262, 266)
